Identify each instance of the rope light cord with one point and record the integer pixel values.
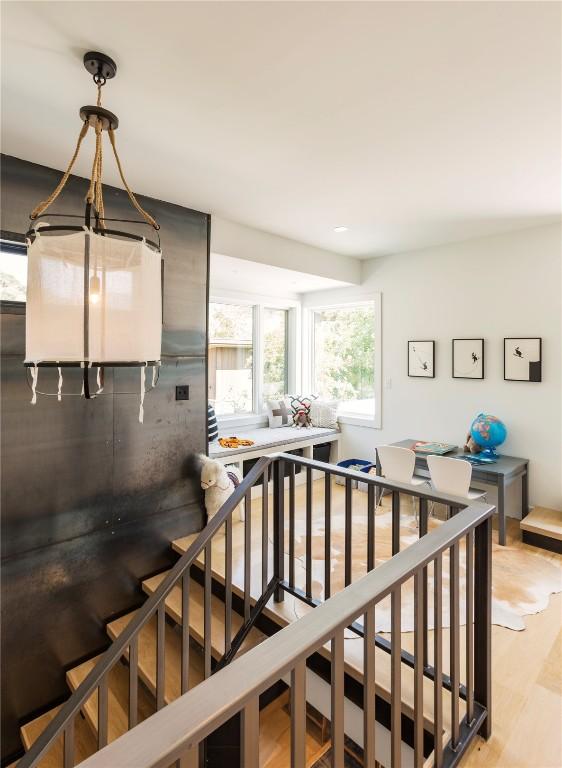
(147, 217)
(95, 189)
(42, 207)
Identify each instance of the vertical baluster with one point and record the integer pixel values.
(102, 713)
(308, 557)
(455, 644)
(190, 758)
(395, 522)
(250, 734)
(207, 613)
(348, 528)
(483, 622)
(291, 525)
(419, 634)
(469, 627)
(185, 631)
(228, 584)
(423, 526)
(337, 699)
(247, 553)
(279, 527)
(369, 693)
(395, 678)
(264, 529)
(133, 681)
(327, 534)
(298, 715)
(370, 527)
(438, 661)
(68, 759)
(160, 655)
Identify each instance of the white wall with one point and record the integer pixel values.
(508, 285)
(232, 239)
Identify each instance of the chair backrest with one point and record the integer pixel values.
(450, 475)
(397, 463)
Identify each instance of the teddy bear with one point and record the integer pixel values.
(471, 446)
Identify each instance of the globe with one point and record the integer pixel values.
(488, 432)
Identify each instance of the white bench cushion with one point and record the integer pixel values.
(266, 438)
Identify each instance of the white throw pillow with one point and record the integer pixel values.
(279, 413)
(324, 413)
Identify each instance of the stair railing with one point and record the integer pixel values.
(175, 733)
(282, 466)
(155, 605)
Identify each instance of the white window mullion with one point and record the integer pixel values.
(258, 359)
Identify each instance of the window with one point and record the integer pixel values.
(275, 334)
(231, 358)
(13, 271)
(343, 357)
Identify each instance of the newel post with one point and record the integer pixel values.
(483, 622)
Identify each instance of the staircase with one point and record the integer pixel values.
(542, 527)
(215, 605)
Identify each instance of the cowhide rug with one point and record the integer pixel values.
(522, 581)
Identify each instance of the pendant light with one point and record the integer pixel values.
(94, 289)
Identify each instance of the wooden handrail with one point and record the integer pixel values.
(167, 735)
(71, 707)
(116, 650)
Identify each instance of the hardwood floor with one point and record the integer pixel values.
(527, 665)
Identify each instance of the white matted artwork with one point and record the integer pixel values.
(468, 358)
(421, 359)
(522, 359)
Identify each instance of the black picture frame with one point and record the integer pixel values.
(430, 349)
(534, 371)
(457, 375)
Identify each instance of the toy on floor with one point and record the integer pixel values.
(219, 483)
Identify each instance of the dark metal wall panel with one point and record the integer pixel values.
(90, 497)
(147, 456)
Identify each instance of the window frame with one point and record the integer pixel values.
(374, 299)
(17, 240)
(258, 415)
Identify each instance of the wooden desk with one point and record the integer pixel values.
(501, 474)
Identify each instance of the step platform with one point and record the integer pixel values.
(542, 527)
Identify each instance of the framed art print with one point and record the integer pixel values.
(421, 359)
(468, 358)
(522, 359)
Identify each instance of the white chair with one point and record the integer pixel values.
(397, 464)
(452, 476)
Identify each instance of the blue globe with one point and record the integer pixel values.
(488, 432)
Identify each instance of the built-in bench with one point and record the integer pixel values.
(315, 442)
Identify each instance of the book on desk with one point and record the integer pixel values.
(438, 449)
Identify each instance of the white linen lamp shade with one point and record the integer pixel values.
(118, 281)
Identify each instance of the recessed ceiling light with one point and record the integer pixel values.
(340, 229)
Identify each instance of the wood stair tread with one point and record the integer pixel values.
(118, 698)
(147, 656)
(544, 521)
(85, 743)
(275, 737)
(173, 609)
(291, 609)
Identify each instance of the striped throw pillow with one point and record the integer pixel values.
(213, 430)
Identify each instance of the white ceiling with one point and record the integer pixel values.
(231, 274)
(411, 123)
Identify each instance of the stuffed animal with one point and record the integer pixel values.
(219, 483)
(301, 419)
(471, 446)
